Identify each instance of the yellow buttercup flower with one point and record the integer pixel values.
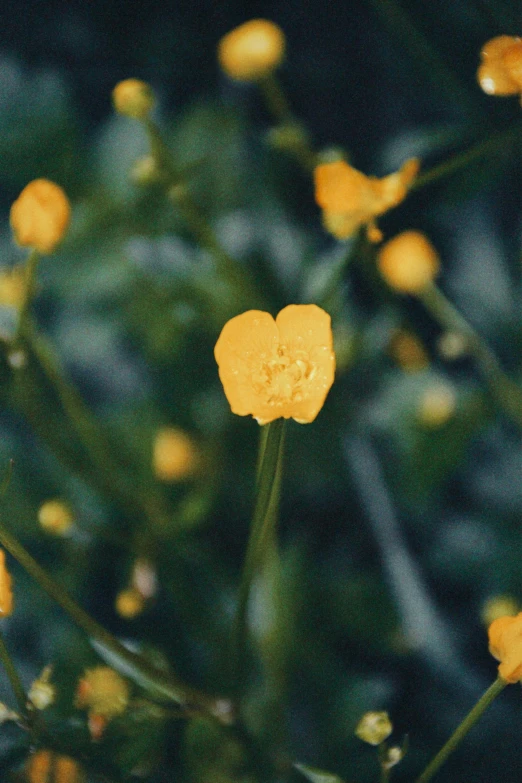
(505, 644)
(40, 216)
(103, 692)
(252, 50)
(272, 369)
(175, 456)
(408, 262)
(6, 592)
(133, 98)
(500, 72)
(46, 766)
(349, 199)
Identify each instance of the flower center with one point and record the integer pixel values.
(283, 377)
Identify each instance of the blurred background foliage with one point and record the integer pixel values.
(395, 529)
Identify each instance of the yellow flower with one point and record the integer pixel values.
(408, 262)
(500, 72)
(408, 351)
(505, 644)
(133, 98)
(252, 50)
(55, 517)
(45, 766)
(40, 216)
(12, 287)
(102, 691)
(6, 593)
(175, 456)
(129, 603)
(374, 727)
(349, 199)
(282, 368)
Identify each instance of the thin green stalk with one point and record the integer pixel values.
(132, 665)
(14, 679)
(505, 391)
(263, 524)
(31, 268)
(477, 151)
(461, 731)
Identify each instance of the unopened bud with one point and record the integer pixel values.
(40, 216)
(374, 727)
(133, 98)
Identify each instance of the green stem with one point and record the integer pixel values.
(31, 268)
(476, 152)
(263, 525)
(14, 679)
(460, 732)
(505, 391)
(131, 664)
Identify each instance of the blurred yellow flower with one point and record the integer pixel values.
(374, 727)
(6, 592)
(55, 517)
(500, 72)
(103, 692)
(129, 603)
(282, 368)
(251, 50)
(46, 766)
(408, 262)
(12, 287)
(408, 351)
(505, 644)
(40, 216)
(175, 456)
(133, 98)
(349, 199)
(437, 406)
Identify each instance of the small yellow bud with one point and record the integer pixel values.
(45, 766)
(437, 406)
(407, 350)
(374, 727)
(12, 287)
(175, 456)
(252, 50)
(452, 345)
(40, 216)
(133, 98)
(499, 606)
(42, 691)
(129, 603)
(408, 262)
(392, 757)
(6, 593)
(145, 171)
(102, 691)
(55, 517)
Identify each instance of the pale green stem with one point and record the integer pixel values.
(476, 152)
(14, 679)
(135, 667)
(506, 392)
(264, 520)
(461, 731)
(31, 268)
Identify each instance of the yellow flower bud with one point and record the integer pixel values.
(102, 691)
(499, 606)
(252, 50)
(55, 517)
(42, 691)
(40, 216)
(133, 98)
(175, 456)
(437, 406)
(408, 351)
(6, 593)
(45, 766)
(408, 262)
(129, 603)
(12, 287)
(374, 727)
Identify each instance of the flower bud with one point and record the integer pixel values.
(374, 727)
(42, 691)
(12, 287)
(55, 517)
(408, 262)
(133, 98)
(252, 50)
(392, 757)
(175, 457)
(102, 691)
(129, 603)
(437, 406)
(45, 766)
(40, 216)
(6, 593)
